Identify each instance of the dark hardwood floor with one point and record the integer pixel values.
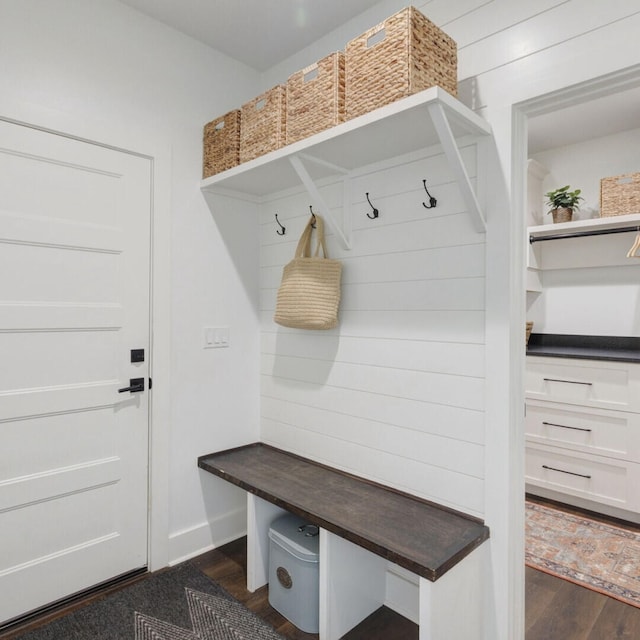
(559, 609)
(227, 567)
(555, 609)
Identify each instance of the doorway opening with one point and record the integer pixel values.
(576, 288)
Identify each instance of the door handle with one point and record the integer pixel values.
(135, 385)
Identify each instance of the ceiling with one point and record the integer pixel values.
(260, 33)
(594, 118)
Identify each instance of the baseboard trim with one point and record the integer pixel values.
(189, 543)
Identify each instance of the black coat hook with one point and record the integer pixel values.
(375, 212)
(432, 201)
(284, 229)
(313, 224)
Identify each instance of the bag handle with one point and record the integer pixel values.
(303, 249)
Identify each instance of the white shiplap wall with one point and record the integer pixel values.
(509, 52)
(396, 392)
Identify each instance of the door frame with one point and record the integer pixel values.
(521, 112)
(133, 139)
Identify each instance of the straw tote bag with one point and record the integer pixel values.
(309, 295)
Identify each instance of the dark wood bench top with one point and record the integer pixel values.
(420, 536)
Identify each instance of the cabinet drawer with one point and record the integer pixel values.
(609, 385)
(614, 434)
(595, 478)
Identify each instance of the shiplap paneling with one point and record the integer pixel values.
(396, 392)
(538, 32)
(438, 419)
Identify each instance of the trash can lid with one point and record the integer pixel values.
(297, 536)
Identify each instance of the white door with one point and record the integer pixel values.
(74, 301)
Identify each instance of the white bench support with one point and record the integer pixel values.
(352, 585)
(260, 515)
(452, 607)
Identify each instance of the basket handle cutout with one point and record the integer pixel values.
(219, 126)
(377, 37)
(310, 75)
(260, 104)
(625, 180)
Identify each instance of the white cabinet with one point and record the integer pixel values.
(589, 383)
(583, 433)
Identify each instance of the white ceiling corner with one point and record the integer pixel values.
(259, 33)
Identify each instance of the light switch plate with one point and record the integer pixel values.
(216, 337)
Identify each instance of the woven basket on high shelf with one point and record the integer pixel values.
(315, 98)
(620, 195)
(401, 56)
(263, 123)
(529, 329)
(221, 144)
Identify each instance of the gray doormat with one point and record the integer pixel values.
(178, 604)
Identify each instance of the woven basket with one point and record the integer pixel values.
(263, 123)
(404, 54)
(221, 144)
(315, 98)
(529, 329)
(561, 214)
(620, 195)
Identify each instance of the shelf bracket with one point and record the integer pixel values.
(447, 140)
(318, 201)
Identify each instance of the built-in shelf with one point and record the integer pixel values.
(585, 227)
(410, 124)
(573, 256)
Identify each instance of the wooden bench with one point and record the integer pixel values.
(363, 527)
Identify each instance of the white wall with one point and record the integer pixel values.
(509, 52)
(396, 392)
(121, 74)
(583, 164)
(96, 68)
(589, 286)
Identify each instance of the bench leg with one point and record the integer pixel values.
(260, 515)
(452, 607)
(352, 585)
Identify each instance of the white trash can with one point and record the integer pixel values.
(294, 572)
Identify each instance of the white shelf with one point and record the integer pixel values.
(416, 122)
(579, 226)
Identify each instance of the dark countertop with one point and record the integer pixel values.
(426, 538)
(613, 348)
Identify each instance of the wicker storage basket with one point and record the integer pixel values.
(263, 123)
(221, 144)
(620, 195)
(315, 98)
(404, 54)
(529, 329)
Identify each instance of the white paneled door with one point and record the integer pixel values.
(74, 302)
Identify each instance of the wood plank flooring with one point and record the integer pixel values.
(227, 567)
(555, 609)
(559, 610)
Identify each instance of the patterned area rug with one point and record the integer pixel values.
(595, 555)
(178, 604)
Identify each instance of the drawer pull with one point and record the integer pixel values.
(571, 473)
(564, 426)
(588, 384)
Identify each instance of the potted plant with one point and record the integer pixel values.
(563, 202)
